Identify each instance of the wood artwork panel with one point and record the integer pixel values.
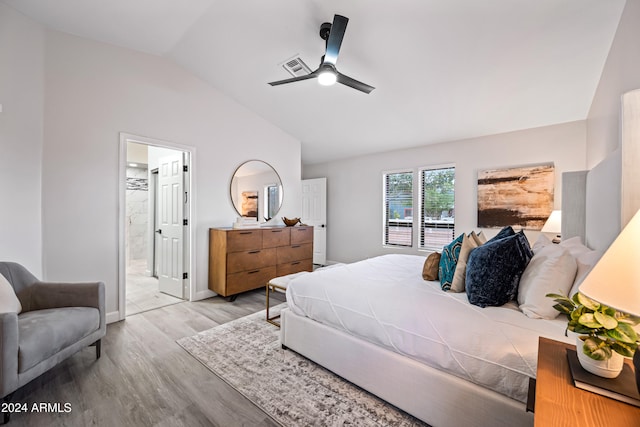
(520, 197)
(249, 204)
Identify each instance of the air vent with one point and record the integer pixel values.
(296, 66)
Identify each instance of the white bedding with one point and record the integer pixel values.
(384, 300)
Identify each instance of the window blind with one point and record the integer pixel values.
(437, 197)
(398, 209)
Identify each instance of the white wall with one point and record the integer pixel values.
(95, 91)
(621, 74)
(354, 186)
(21, 128)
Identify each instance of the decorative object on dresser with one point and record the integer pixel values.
(242, 260)
(290, 222)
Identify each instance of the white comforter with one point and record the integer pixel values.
(384, 300)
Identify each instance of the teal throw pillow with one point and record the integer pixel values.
(448, 262)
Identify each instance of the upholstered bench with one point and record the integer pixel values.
(279, 284)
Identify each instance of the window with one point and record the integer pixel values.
(437, 202)
(398, 209)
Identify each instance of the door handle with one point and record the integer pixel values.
(322, 225)
(159, 231)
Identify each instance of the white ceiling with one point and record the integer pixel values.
(443, 69)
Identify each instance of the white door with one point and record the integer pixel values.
(170, 225)
(314, 212)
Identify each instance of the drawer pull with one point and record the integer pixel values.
(254, 271)
(295, 263)
(246, 232)
(276, 231)
(254, 252)
(295, 246)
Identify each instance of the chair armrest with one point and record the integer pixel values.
(56, 295)
(8, 353)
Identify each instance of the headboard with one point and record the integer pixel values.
(595, 202)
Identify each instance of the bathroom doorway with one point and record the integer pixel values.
(156, 233)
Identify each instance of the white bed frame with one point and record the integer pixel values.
(438, 398)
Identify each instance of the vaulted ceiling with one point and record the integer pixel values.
(443, 69)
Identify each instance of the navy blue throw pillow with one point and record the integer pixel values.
(494, 270)
(505, 232)
(448, 262)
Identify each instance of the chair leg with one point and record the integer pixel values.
(98, 345)
(7, 415)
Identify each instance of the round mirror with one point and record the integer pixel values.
(256, 190)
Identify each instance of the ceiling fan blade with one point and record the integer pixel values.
(295, 79)
(334, 42)
(348, 81)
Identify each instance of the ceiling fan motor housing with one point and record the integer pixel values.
(325, 29)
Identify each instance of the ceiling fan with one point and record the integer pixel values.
(327, 73)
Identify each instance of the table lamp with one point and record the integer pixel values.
(553, 225)
(615, 280)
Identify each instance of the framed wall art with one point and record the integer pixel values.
(520, 196)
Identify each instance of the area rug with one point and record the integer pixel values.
(293, 390)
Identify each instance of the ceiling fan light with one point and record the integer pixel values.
(327, 78)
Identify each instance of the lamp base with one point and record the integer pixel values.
(636, 365)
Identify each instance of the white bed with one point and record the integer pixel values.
(430, 353)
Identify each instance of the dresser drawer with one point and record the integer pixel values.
(294, 267)
(272, 238)
(301, 235)
(250, 260)
(247, 280)
(244, 240)
(292, 253)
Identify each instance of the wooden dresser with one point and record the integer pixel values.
(245, 259)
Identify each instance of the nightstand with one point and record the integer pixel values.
(559, 403)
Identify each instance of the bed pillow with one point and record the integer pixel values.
(469, 243)
(585, 262)
(448, 262)
(575, 246)
(480, 238)
(9, 302)
(551, 270)
(505, 232)
(540, 243)
(494, 270)
(431, 265)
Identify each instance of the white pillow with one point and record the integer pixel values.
(586, 262)
(551, 270)
(9, 302)
(541, 242)
(469, 243)
(575, 246)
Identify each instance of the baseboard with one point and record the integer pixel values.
(113, 317)
(200, 295)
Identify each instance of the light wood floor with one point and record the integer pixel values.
(144, 378)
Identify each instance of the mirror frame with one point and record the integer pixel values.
(260, 215)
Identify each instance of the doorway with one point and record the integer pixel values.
(155, 257)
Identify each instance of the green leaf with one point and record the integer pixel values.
(596, 349)
(627, 350)
(563, 308)
(605, 320)
(588, 302)
(589, 320)
(623, 333)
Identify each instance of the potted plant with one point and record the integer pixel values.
(605, 334)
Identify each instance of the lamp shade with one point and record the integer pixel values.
(615, 280)
(554, 223)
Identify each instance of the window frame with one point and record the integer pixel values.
(422, 244)
(385, 208)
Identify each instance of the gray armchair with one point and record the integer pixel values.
(56, 321)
